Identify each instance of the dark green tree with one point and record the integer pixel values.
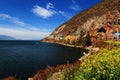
(88, 41)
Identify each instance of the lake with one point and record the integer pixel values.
(24, 58)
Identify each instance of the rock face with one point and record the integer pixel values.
(100, 22)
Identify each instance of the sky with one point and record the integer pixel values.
(36, 19)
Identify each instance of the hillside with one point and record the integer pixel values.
(4, 37)
(98, 23)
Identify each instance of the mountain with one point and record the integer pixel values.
(98, 23)
(4, 37)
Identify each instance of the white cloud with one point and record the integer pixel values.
(12, 19)
(73, 1)
(21, 30)
(49, 6)
(43, 12)
(4, 16)
(48, 11)
(24, 34)
(75, 6)
(61, 12)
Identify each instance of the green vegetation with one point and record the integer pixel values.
(103, 65)
(88, 40)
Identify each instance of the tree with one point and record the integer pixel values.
(88, 40)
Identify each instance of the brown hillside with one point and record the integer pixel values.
(100, 22)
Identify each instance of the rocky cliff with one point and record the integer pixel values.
(101, 22)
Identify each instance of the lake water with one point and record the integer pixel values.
(24, 58)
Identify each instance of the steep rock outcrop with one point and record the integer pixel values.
(101, 22)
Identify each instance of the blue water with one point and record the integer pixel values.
(24, 58)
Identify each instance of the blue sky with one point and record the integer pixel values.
(36, 19)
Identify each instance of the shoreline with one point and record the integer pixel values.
(90, 49)
(74, 46)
